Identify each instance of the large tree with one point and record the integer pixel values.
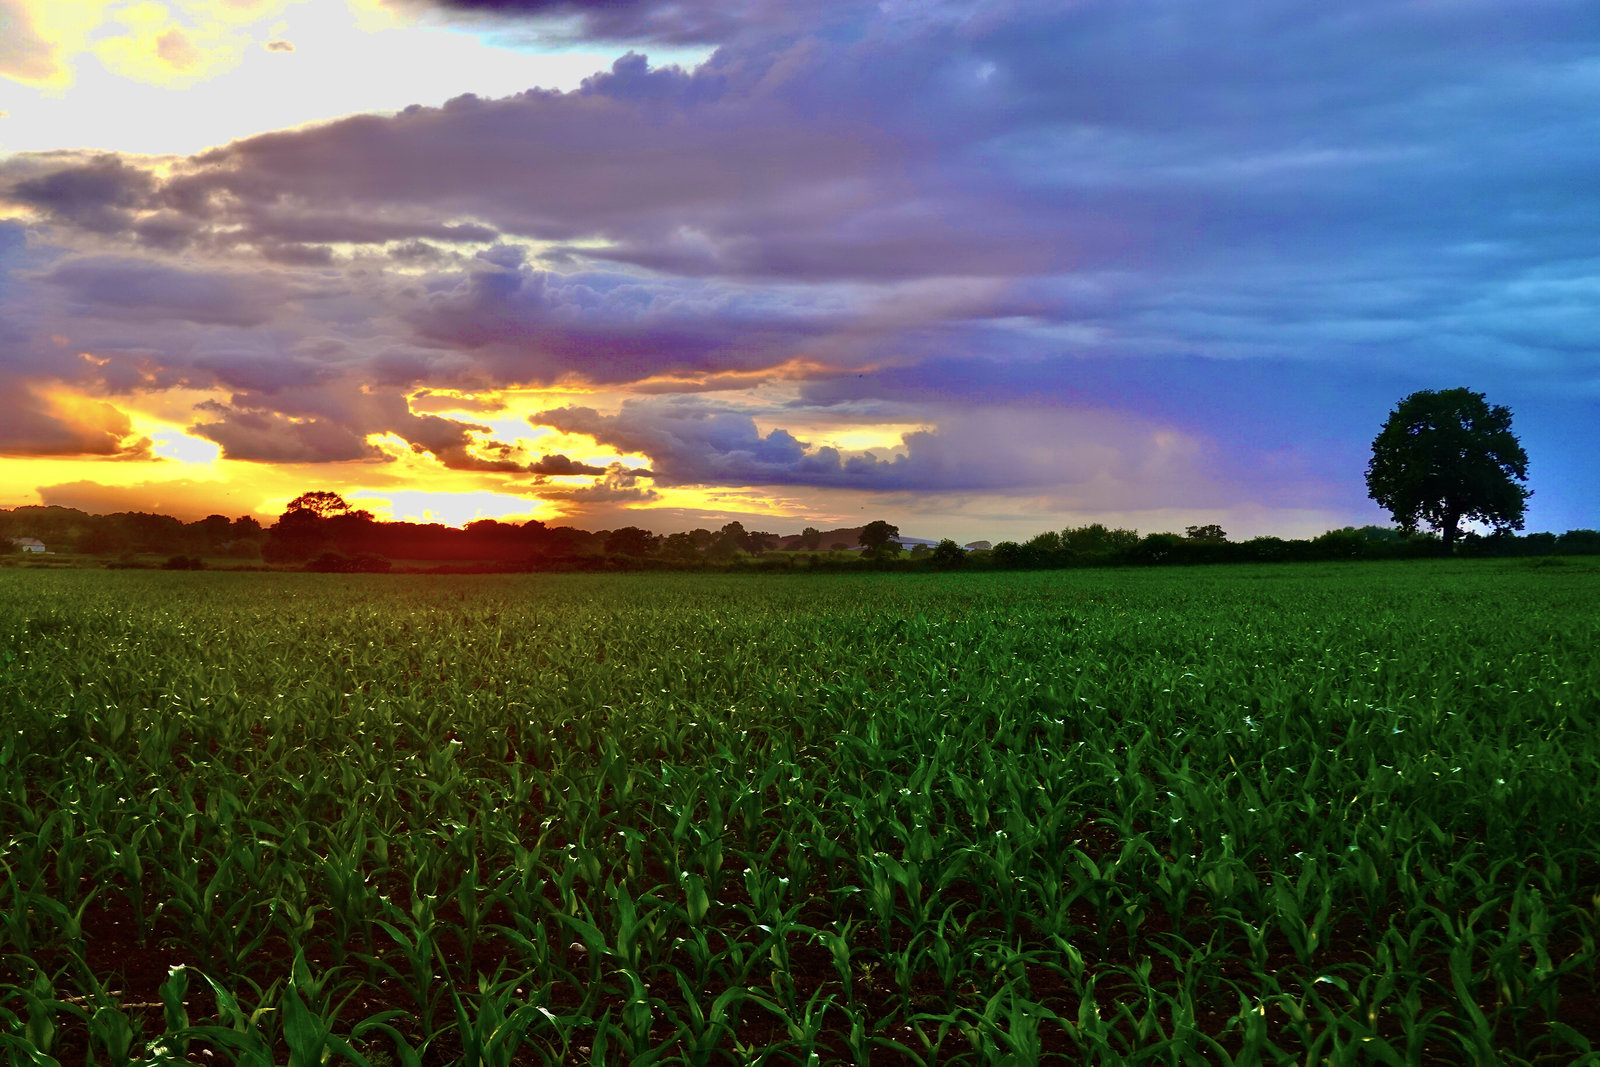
(1444, 456)
(321, 503)
(878, 538)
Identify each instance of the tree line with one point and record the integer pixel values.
(321, 531)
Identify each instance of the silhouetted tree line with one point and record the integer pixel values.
(323, 531)
(321, 527)
(70, 530)
(320, 531)
(1097, 546)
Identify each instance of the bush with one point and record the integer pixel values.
(1156, 548)
(1267, 549)
(1009, 554)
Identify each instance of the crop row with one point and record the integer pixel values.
(1341, 815)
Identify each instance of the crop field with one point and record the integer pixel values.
(1229, 815)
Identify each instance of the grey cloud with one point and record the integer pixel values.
(263, 373)
(1022, 139)
(584, 497)
(295, 255)
(28, 428)
(405, 366)
(980, 450)
(111, 196)
(562, 465)
(637, 152)
(145, 289)
(615, 485)
(677, 22)
(97, 194)
(415, 252)
(530, 325)
(165, 230)
(428, 401)
(459, 458)
(268, 437)
(314, 227)
(330, 421)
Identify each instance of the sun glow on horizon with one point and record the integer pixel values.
(449, 508)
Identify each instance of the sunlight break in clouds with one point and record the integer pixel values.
(151, 78)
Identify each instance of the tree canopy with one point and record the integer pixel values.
(1448, 456)
(319, 502)
(877, 537)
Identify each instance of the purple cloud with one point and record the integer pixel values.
(143, 290)
(28, 427)
(562, 465)
(330, 422)
(971, 450)
(677, 22)
(98, 193)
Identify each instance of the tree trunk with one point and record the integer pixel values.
(1452, 527)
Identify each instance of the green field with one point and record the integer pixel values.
(1315, 814)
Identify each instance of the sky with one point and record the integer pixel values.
(981, 269)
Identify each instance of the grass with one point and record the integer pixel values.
(1317, 814)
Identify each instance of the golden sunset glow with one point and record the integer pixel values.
(175, 443)
(447, 508)
(884, 438)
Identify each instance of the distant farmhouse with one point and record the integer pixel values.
(28, 544)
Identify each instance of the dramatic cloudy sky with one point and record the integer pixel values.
(979, 268)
